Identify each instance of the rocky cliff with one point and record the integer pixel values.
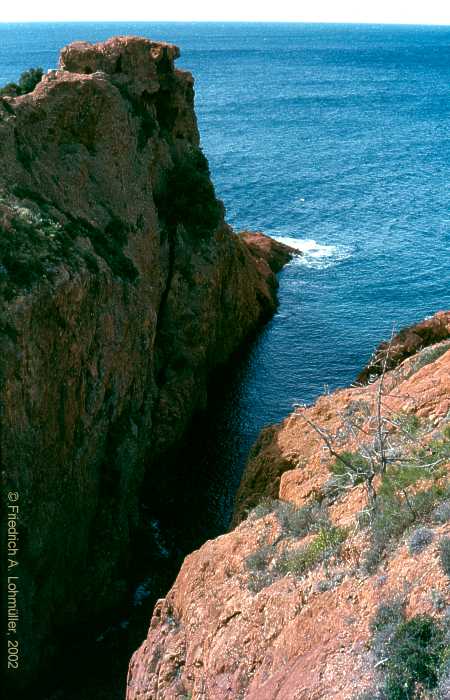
(407, 342)
(121, 288)
(321, 593)
(267, 463)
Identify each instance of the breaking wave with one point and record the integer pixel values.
(316, 255)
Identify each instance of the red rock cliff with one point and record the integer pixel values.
(313, 596)
(121, 288)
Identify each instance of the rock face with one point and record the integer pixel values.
(121, 288)
(267, 462)
(274, 253)
(406, 343)
(283, 607)
(261, 478)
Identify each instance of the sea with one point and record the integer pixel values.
(336, 140)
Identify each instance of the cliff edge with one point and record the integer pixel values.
(121, 289)
(324, 591)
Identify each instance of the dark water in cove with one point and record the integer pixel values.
(337, 140)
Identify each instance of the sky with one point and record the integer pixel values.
(371, 11)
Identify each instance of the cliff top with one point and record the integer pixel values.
(87, 159)
(127, 60)
(131, 55)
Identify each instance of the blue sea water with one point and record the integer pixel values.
(335, 138)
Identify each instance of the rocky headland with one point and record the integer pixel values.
(319, 592)
(121, 289)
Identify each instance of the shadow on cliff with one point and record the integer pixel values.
(188, 498)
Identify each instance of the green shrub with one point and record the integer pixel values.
(27, 82)
(400, 477)
(442, 691)
(298, 522)
(29, 79)
(389, 521)
(394, 515)
(29, 249)
(395, 509)
(358, 408)
(391, 611)
(441, 514)
(438, 449)
(352, 467)
(325, 545)
(258, 565)
(372, 557)
(258, 580)
(424, 502)
(330, 583)
(413, 651)
(143, 110)
(410, 423)
(33, 244)
(428, 355)
(109, 244)
(264, 507)
(258, 560)
(371, 694)
(438, 600)
(416, 654)
(388, 616)
(444, 553)
(420, 539)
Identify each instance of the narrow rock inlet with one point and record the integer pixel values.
(121, 289)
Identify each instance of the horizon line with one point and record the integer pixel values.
(227, 21)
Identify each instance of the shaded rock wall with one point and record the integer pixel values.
(121, 288)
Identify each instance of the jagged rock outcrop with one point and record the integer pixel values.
(405, 343)
(273, 253)
(286, 606)
(267, 462)
(121, 288)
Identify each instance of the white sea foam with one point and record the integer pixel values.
(316, 255)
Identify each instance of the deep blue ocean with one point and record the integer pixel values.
(336, 136)
(336, 139)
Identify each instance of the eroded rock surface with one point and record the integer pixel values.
(121, 288)
(267, 462)
(250, 616)
(405, 343)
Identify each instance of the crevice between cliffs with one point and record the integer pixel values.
(123, 295)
